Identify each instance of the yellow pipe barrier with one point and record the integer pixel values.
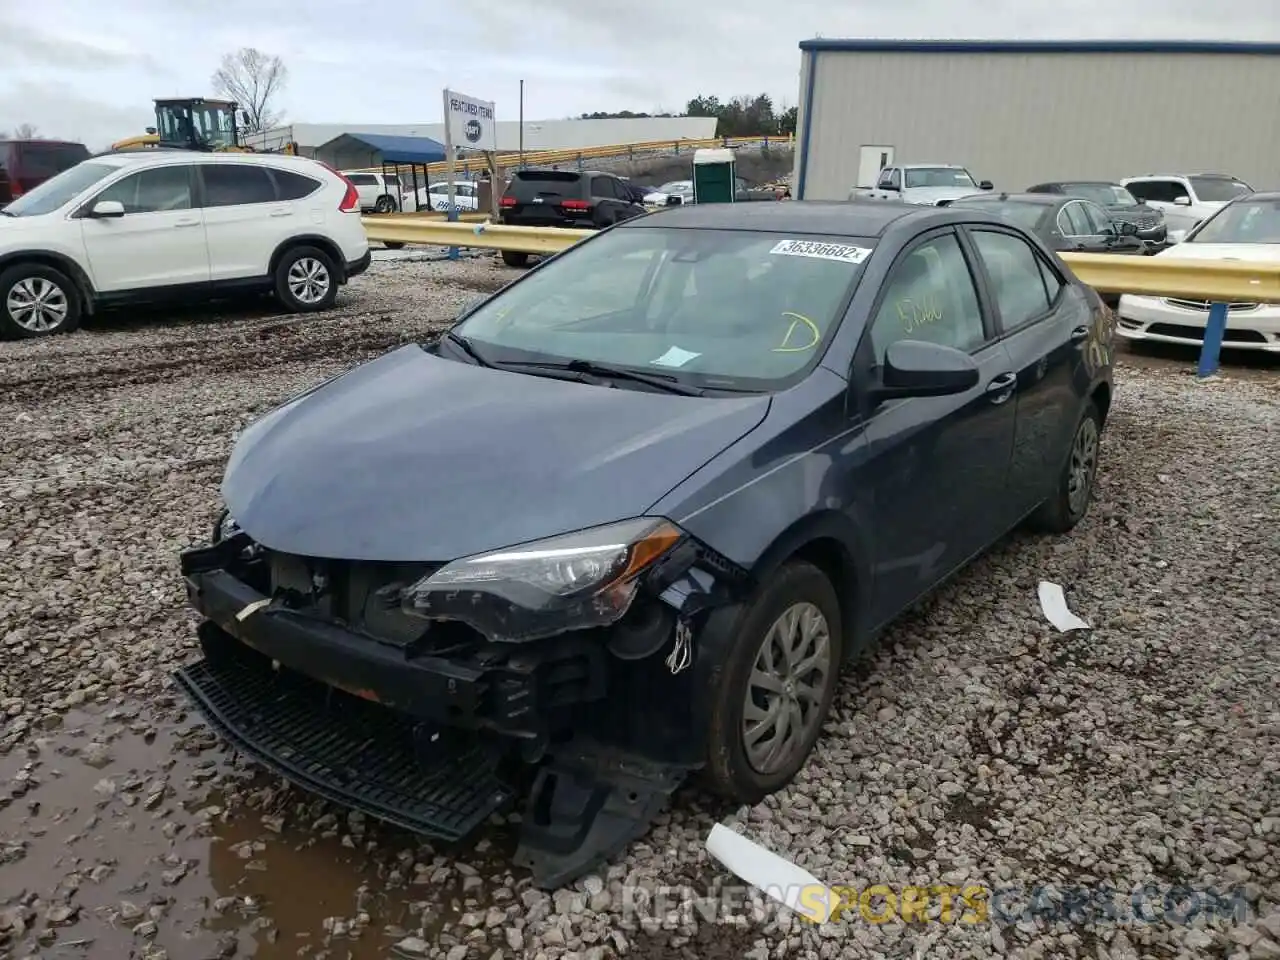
(1172, 276)
(492, 236)
(1213, 280)
(547, 158)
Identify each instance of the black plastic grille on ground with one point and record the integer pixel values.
(355, 753)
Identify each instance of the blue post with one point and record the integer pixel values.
(453, 218)
(1212, 345)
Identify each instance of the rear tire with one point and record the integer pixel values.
(798, 602)
(306, 280)
(37, 301)
(1071, 498)
(385, 204)
(513, 258)
(392, 244)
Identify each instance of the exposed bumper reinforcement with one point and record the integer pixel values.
(358, 754)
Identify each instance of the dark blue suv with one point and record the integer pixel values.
(628, 518)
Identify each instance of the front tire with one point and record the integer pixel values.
(513, 258)
(385, 204)
(1071, 498)
(37, 301)
(306, 280)
(780, 679)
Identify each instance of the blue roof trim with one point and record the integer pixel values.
(401, 149)
(1042, 46)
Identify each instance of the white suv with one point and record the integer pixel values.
(176, 224)
(380, 193)
(1185, 199)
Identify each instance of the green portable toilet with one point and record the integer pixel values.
(714, 177)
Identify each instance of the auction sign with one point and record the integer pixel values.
(469, 122)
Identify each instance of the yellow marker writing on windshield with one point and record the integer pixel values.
(796, 320)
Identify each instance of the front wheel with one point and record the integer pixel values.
(1070, 500)
(779, 681)
(385, 204)
(37, 301)
(513, 258)
(306, 280)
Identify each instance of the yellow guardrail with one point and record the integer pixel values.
(394, 228)
(547, 158)
(1172, 276)
(1167, 276)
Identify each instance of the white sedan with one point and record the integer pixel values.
(1245, 229)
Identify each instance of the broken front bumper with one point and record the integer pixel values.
(433, 741)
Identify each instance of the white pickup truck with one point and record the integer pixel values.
(929, 184)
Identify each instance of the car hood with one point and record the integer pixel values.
(1253, 252)
(416, 458)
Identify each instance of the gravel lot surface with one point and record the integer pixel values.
(978, 746)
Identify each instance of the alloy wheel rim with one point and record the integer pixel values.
(785, 691)
(37, 304)
(1084, 460)
(309, 280)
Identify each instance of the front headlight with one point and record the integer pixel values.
(570, 582)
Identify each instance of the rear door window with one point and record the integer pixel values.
(227, 185)
(1017, 280)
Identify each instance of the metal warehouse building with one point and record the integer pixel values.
(1019, 113)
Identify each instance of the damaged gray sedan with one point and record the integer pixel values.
(625, 522)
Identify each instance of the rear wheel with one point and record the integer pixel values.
(306, 280)
(779, 681)
(513, 258)
(37, 301)
(385, 204)
(1070, 500)
(392, 244)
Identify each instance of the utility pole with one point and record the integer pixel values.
(521, 124)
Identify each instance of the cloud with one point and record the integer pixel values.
(351, 62)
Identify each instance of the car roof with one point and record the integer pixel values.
(162, 156)
(1039, 199)
(825, 217)
(1086, 183)
(1269, 196)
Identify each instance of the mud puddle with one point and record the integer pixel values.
(127, 834)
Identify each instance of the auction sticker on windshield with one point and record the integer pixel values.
(842, 252)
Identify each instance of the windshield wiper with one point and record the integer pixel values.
(604, 371)
(465, 345)
(7, 213)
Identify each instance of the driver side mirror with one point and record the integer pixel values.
(915, 368)
(1128, 229)
(107, 210)
(1182, 201)
(986, 185)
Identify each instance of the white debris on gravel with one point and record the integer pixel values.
(977, 747)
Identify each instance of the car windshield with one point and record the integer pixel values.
(1219, 189)
(1029, 216)
(1245, 221)
(676, 186)
(939, 177)
(717, 309)
(60, 190)
(1107, 194)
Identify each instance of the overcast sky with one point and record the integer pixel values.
(88, 69)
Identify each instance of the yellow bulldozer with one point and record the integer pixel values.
(195, 123)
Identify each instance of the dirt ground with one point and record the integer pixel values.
(128, 830)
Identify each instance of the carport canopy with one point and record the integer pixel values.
(392, 149)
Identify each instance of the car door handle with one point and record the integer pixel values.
(1001, 388)
(187, 222)
(281, 212)
(1079, 334)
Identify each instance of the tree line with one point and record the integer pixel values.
(741, 116)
